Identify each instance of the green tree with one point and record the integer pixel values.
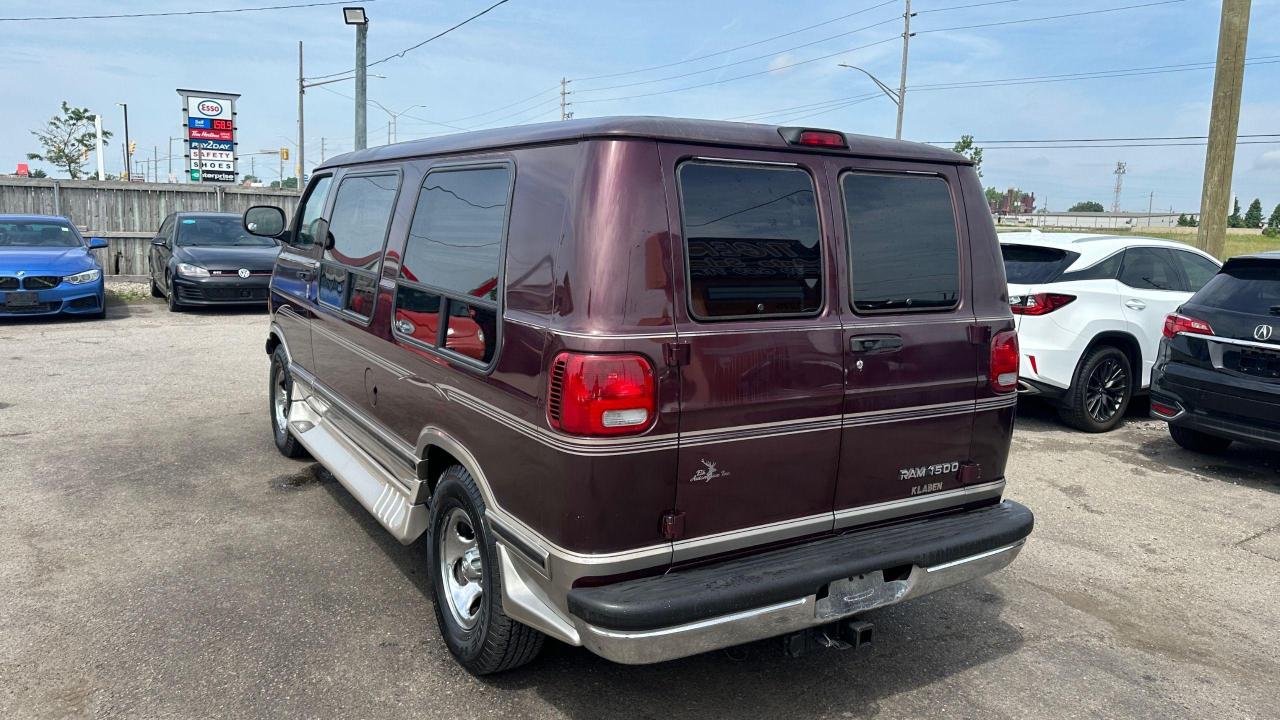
(1253, 216)
(290, 183)
(38, 173)
(1182, 220)
(1234, 220)
(67, 140)
(966, 148)
(993, 195)
(1086, 206)
(1274, 221)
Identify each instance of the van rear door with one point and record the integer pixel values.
(761, 368)
(911, 341)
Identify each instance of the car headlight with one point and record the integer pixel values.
(188, 270)
(87, 276)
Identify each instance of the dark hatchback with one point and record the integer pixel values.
(1217, 378)
(209, 259)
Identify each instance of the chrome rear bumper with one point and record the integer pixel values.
(844, 599)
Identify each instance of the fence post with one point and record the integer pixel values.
(57, 199)
(218, 189)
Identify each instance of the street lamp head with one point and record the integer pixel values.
(354, 16)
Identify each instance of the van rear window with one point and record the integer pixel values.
(752, 241)
(902, 242)
(1033, 265)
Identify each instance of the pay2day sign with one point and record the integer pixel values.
(209, 122)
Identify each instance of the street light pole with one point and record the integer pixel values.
(902, 78)
(127, 154)
(362, 85)
(302, 157)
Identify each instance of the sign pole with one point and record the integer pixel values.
(97, 128)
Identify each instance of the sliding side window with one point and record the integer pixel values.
(357, 235)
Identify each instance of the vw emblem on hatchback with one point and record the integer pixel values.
(243, 273)
(1263, 332)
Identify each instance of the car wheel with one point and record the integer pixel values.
(466, 581)
(174, 304)
(1100, 393)
(280, 394)
(1196, 441)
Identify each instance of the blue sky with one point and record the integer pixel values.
(526, 46)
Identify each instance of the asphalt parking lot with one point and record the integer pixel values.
(161, 559)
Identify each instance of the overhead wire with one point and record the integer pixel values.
(220, 11)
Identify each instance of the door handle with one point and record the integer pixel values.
(874, 343)
(307, 275)
(1134, 304)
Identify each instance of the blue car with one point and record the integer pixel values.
(46, 268)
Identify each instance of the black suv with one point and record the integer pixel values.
(1217, 378)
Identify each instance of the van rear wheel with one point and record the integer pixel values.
(1100, 393)
(467, 582)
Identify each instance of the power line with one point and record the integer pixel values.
(965, 7)
(739, 77)
(177, 12)
(1051, 17)
(741, 62)
(1123, 145)
(411, 48)
(510, 105)
(793, 118)
(740, 47)
(1095, 140)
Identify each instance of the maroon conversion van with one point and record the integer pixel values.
(654, 386)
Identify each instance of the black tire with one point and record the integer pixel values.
(1197, 441)
(494, 642)
(1100, 392)
(175, 305)
(279, 381)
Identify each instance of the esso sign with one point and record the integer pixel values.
(209, 108)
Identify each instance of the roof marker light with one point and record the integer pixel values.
(813, 138)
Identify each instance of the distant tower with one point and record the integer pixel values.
(1120, 170)
(565, 92)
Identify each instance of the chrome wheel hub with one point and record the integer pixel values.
(462, 568)
(280, 399)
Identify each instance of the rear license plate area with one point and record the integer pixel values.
(1258, 363)
(21, 300)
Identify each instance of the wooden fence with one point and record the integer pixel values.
(128, 214)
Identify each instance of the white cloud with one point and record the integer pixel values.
(1269, 160)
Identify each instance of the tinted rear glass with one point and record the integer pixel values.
(752, 241)
(902, 242)
(1030, 264)
(1250, 289)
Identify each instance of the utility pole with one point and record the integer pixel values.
(253, 165)
(322, 149)
(302, 157)
(155, 163)
(97, 128)
(565, 113)
(902, 79)
(1224, 122)
(1121, 167)
(389, 131)
(128, 156)
(1150, 202)
(362, 85)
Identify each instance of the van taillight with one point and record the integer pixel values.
(601, 394)
(1003, 372)
(1177, 323)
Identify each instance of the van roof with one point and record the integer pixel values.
(712, 132)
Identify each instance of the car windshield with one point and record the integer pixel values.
(37, 233)
(217, 232)
(1033, 265)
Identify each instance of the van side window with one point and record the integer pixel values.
(752, 241)
(357, 234)
(447, 295)
(903, 248)
(309, 220)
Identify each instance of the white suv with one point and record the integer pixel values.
(1090, 311)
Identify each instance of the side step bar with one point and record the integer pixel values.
(366, 480)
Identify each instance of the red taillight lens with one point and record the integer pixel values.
(1175, 323)
(601, 394)
(1039, 303)
(821, 138)
(1003, 371)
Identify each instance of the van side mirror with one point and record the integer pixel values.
(97, 243)
(161, 240)
(265, 221)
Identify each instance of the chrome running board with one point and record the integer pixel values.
(362, 476)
